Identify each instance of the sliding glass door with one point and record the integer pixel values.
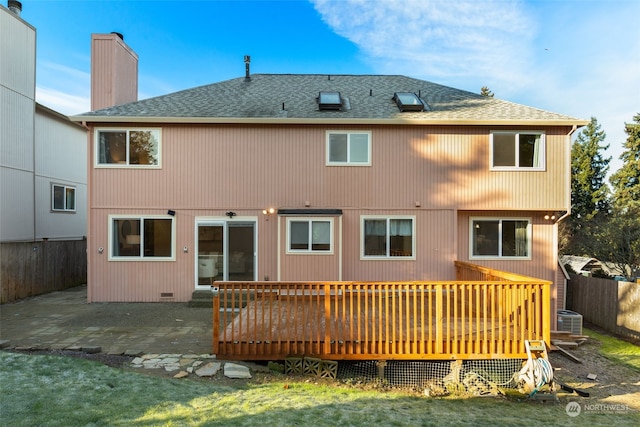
(226, 250)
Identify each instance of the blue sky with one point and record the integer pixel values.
(576, 57)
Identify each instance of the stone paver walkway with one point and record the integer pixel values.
(64, 320)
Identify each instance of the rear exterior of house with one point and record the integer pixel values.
(318, 178)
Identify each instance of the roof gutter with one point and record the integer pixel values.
(329, 121)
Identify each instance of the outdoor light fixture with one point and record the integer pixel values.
(171, 212)
(231, 214)
(268, 212)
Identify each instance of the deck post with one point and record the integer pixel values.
(216, 320)
(546, 313)
(439, 319)
(327, 318)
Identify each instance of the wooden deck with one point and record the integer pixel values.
(390, 321)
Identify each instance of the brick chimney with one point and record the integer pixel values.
(114, 71)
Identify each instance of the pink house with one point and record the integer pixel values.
(314, 178)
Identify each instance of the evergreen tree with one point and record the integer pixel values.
(485, 91)
(616, 240)
(589, 192)
(626, 181)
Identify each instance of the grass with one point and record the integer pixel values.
(616, 350)
(62, 391)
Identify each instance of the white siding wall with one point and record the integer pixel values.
(17, 50)
(17, 101)
(38, 147)
(61, 152)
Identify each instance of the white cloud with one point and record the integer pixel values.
(61, 102)
(62, 88)
(577, 58)
(455, 40)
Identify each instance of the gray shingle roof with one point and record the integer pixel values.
(293, 97)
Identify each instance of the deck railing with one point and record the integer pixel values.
(463, 319)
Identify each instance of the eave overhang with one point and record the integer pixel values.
(89, 119)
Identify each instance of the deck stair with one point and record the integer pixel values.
(204, 298)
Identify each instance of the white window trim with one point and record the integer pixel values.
(364, 257)
(500, 257)
(64, 187)
(542, 150)
(348, 133)
(141, 258)
(96, 159)
(309, 220)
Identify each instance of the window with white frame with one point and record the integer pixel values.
(309, 235)
(63, 198)
(135, 237)
(517, 150)
(388, 237)
(348, 148)
(500, 238)
(128, 147)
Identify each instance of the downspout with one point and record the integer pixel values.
(91, 255)
(555, 237)
(567, 213)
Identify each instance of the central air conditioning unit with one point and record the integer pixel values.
(570, 321)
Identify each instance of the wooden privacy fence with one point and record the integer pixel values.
(609, 304)
(33, 268)
(379, 320)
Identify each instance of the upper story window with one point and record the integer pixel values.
(494, 238)
(348, 148)
(63, 198)
(128, 147)
(388, 237)
(141, 237)
(310, 235)
(517, 151)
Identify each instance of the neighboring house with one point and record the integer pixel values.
(584, 266)
(316, 178)
(43, 176)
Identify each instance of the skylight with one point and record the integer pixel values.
(408, 101)
(329, 101)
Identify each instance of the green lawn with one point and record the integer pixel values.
(63, 391)
(616, 350)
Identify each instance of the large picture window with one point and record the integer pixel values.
(388, 237)
(348, 148)
(500, 238)
(309, 235)
(517, 151)
(142, 238)
(134, 147)
(63, 198)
